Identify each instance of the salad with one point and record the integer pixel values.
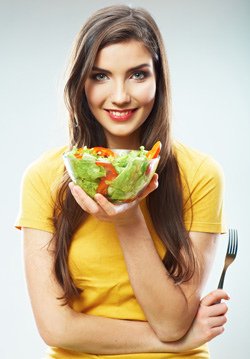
(119, 175)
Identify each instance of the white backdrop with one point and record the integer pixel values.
(208, 49)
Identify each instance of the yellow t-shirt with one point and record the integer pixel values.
(96, 261)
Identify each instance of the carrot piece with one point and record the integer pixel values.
(79, 153)
(155, 150)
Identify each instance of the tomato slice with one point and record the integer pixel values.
(155, 150)
(110, 169)
(102, 187)
(110, 175)
(104, 152)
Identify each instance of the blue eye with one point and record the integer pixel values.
(139, 75)
(100, 77)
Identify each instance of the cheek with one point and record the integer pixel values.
(95, 95)
(146, 93)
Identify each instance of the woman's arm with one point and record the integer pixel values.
(169, 308)
(60, 326)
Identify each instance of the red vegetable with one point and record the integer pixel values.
(110, 175)
(104, 152)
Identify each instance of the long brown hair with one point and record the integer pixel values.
(108, 26)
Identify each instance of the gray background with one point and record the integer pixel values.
(208, 49)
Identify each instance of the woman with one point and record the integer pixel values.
(123, 281)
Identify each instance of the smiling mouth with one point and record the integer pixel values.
(121, 114)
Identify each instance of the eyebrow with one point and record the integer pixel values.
(96, 68)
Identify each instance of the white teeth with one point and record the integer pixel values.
(117, 114)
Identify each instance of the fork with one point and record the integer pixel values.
(230, 255)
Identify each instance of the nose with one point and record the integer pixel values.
(120, 94)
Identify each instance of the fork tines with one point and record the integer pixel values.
(230, 255)
(232, 242)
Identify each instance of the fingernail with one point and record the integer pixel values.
(97, 197)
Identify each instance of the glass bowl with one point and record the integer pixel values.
(120, 179)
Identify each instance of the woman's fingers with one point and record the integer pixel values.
(101, 208)
(93, 206)
(217, 309)
(84, 201)
(115, 211)
(217, 321)
(214, 332)
(107, 206)
(214, 297)
(213, 312)
(150, 188)
(104, 210)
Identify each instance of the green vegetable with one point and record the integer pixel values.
(132, 171)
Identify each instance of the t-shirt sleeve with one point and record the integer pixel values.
(36, 202)
(203, 212)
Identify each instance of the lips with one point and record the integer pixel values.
(121, 115)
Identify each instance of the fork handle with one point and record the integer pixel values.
(221, 282)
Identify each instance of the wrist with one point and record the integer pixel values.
(130, 218)
(169, 347)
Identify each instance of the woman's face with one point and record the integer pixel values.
(121, 91)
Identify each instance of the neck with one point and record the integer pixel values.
(130, 143)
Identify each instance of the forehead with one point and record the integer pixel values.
(123, 54)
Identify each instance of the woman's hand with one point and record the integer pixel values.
(209, 321)
(102, 209)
